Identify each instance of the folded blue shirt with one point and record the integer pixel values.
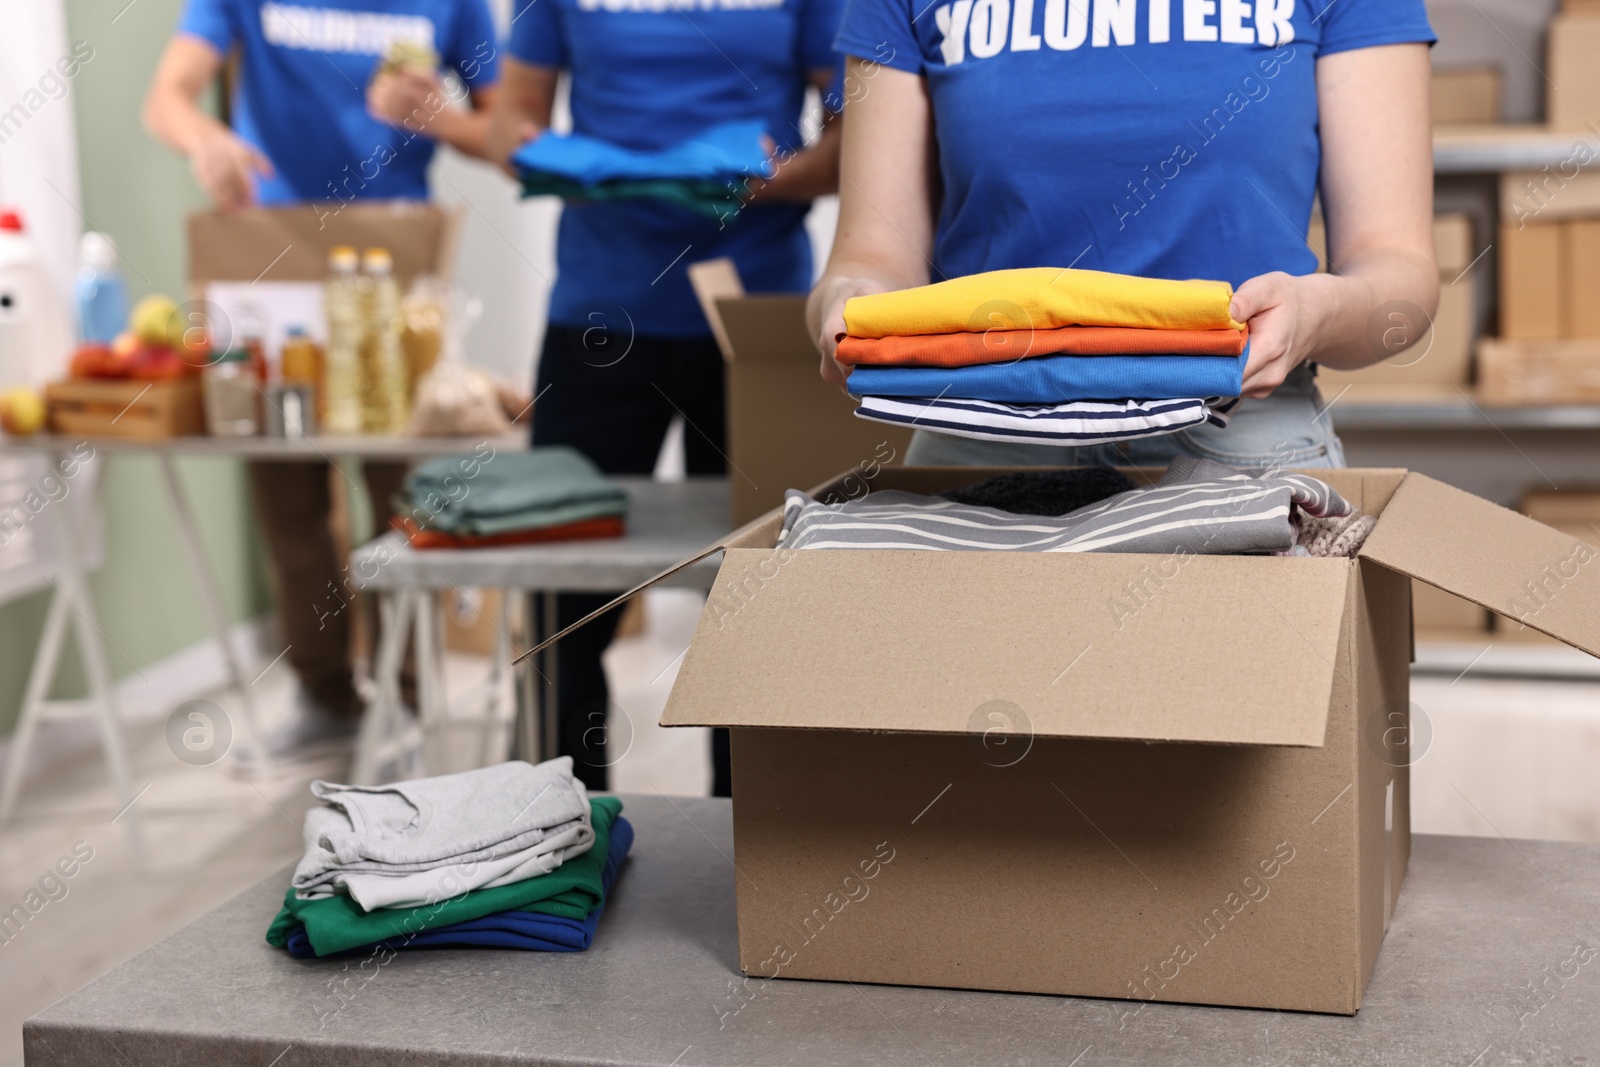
(527, 930)
(1060, 379)
(724, 152)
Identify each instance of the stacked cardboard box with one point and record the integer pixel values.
(1548, 351)
(1443, 355)
(1575, 513)
(1467, 95)
(1574, 76)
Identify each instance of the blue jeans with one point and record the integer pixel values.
(1287, 429)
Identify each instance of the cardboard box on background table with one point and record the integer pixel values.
(1561, 371)
(276, 259)
(968, 769)
(786, 426)
(1467, 95)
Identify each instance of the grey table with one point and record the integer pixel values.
(668, 522)
(1479, 921)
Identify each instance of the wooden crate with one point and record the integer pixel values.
(147, 411)
(1539, 372)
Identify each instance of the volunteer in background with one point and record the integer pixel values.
(627, 347)
(315, 120)
(1164, 138)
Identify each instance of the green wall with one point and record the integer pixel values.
(139, 193)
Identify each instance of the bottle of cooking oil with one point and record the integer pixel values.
(342, 364)
(385, 402)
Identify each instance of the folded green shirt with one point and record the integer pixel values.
(461, 494)
(572, 890)
(717, 199)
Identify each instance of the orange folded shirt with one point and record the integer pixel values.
(584, 530)
(1005, 346)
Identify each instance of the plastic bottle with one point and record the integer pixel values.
(386, 400)
(342, 385)
(35, 326)
(300, 363)
(102, 295)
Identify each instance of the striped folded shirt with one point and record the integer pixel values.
(1081, 422)
(1199, 506)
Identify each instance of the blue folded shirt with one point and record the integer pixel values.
(527, 930)
(725, 152)
(1061, 379)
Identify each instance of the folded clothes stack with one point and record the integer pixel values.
(544, 494)
(1072, 357)
(510, 856)
(1198, 507)
(707, 173)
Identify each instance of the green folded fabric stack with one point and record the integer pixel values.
(572, 891)
(510, 491)
(718, 199)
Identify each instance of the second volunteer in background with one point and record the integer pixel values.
(1166, 139)
(627, 348)
(315, 120)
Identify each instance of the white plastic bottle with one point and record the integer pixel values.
(342, 385)
(35, 328)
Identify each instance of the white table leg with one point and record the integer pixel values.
(379, 740)
(43, 673)
(212, 598)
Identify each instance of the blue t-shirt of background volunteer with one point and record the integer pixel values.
(302, 95)
(648, 74)
(1164, 138)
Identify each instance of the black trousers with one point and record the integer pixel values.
(612, 398)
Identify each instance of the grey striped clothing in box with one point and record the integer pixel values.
(1203, 507)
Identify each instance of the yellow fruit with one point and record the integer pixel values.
(21, 411)
(152, 319)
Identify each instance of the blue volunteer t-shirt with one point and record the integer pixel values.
(1164, 138)
(649, 74)
(302, 94)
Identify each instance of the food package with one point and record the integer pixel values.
(453, 399)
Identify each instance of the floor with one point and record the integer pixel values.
(1498, 757)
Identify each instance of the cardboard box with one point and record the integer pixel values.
(1530, 280)
(963, 769)
(1581, 277)
(1575, 512)
(1551, 195)
(786, 426)
(1467, 95)
(1539, 372)
(1573, 75)
(1452, 243)
(1439, 615)
(1443, 356)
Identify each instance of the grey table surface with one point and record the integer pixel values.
(1460, 415)
(668, 522)
(286, 449)
(1479, 923)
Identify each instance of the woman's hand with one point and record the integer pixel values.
(225, 166)
(825, 310)
(1286, 315)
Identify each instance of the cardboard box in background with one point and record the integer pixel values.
(1573, 94)
(276, 259)
(787, 428)
(1143, 833)
(1467, 95)
(1443, 356)
(1440, 616)
(1580, 277)
(1531, 292)
(1538, 372)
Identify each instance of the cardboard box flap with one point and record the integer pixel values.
(278, 244)
(768, 327)
(1226, 649)
(1491, 556)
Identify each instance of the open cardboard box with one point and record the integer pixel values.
(1177, 778)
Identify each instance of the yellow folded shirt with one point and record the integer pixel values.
(1042, 298)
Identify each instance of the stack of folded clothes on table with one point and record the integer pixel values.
(512, 498)
(1071, 357)
(510, 856)
(708, 173)
(1198, 506)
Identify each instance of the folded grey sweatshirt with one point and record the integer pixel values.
(1199, 506)
(450, 820)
